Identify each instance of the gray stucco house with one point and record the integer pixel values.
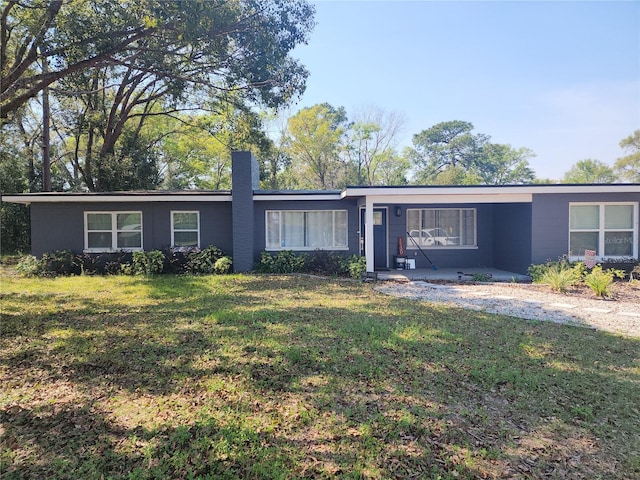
(504, 227)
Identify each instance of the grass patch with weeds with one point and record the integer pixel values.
(298, 377)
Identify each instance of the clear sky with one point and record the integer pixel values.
(560, 78)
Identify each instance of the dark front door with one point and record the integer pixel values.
(380, 256)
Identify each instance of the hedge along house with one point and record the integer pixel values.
(503, 227)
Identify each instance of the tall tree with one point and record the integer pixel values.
(628, 167)
(447, 152)
(314, 136)
(589, 171)
(242, 45)
(450, 154)
(502, 165)
(123, 62)
(370, 143)
(199, 154)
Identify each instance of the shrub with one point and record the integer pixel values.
(29, 266)
(560, 276)
(561, 271)
(328, 263)
(59, 262)
(203, 261)
(285, 261)
(600, 280)
(148, 263)
(357, 266)
(223, 265)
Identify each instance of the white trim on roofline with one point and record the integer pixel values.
(112, 198)
(451, 198)
(498, 190)
(297, 197)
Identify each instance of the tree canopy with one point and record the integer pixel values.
(449, 153)
(217, 45)
(628, 167)
(589, 171)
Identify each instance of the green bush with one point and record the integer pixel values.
(203, 261)
(320, 261)
(60, 262)
(223, 265)
(148, 263)
(29, 266)
(328, 263)
(561, 276)
(285, 261)
(357, 266)
(600, 280)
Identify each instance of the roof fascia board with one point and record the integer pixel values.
(298, 197)
(453, 198)
(61, 198)
(485, 190)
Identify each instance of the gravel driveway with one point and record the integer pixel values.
(522, 301)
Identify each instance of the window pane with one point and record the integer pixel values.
(584, 217)
(319, 229)
(340, 219)
(99, 240)
(446, 228)
(273, 229)
(292, 229)
(468, 234)
(129, 240)
(185, 239)
(581, 241)
(98, 221)
(618, 216)
(441, 228)
(185, 221)
(618, 244)
(129, 221)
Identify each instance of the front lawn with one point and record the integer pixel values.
(300, 377)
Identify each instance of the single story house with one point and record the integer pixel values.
(507, 227)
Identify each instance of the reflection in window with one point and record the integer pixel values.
(607, 229)
(306, 229)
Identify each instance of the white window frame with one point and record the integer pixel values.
(114, 231)
(173, 230)
(306, 247)
(412, 246)
(602, 230)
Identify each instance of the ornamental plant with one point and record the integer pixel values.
(600, 281)
(561, 276)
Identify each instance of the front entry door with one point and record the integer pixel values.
(380, 255)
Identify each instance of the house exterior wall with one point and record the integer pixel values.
(478, 257)
(512, 237)
(60, 226)
(550, 221)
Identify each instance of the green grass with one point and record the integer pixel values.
(298, 377)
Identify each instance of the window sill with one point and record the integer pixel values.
(111, 250)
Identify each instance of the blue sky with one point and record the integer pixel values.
(560, 78)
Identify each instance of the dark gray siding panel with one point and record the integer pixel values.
(512, 237)
(56, 227)
(550, 221)
(61, 226)
(262, 206)
(479, 257)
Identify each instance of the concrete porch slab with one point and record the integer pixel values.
(451, 274)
